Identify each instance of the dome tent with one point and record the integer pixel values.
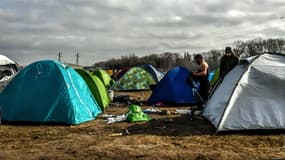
(251, 96)
(174, 89)
(104, 77)
(117, 75)
(48, 91)
(97, 88)
(134, 79)
(4, 60)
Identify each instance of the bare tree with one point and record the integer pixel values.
(168, 60)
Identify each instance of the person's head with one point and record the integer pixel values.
(198, 59)
(228, 51)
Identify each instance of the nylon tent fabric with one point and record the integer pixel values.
(117, 75)
(173, 88)
(215, 77)
(135, 114)
(8, 69)
(4, 81)
(97, 88)
(4, 60)
(135, 79)
(48, 91)
(104, 77)
(211, 75)
(251, 96)
(157, 75)
(7, 66)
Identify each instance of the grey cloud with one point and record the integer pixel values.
(38, 29)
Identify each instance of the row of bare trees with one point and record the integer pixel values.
(168, 60)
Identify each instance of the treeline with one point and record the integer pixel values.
(168, 60)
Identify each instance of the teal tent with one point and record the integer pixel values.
(48, 91)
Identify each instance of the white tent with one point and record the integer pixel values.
(5, 60)
(251, 96)
(8, 68)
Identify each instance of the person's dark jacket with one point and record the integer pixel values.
(227, 64)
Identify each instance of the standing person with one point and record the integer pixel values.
(228, 62)
(202, 77)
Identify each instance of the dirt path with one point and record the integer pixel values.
(165, 137)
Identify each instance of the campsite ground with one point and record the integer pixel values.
(165, 137)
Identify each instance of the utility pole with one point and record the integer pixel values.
(277, 46)
(59, 55)
(77, 58)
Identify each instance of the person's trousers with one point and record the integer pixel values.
(204, 90)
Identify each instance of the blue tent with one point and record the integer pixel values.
(48, 91)
(173, 88)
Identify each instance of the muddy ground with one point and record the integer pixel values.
(164, 137)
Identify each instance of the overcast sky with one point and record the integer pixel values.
(101, 29)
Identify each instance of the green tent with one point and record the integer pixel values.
(97, 88)
(104, 77)
(216, 77)
(135, 79)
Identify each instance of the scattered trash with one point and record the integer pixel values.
(126, 132)
(152, 110)
(183, 111)
(114, 119)
(135, 114)
(107, 115)
(197, 113)
(116, 134)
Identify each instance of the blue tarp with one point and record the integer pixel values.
(211, 75)
(173, 88)
(48, 91)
